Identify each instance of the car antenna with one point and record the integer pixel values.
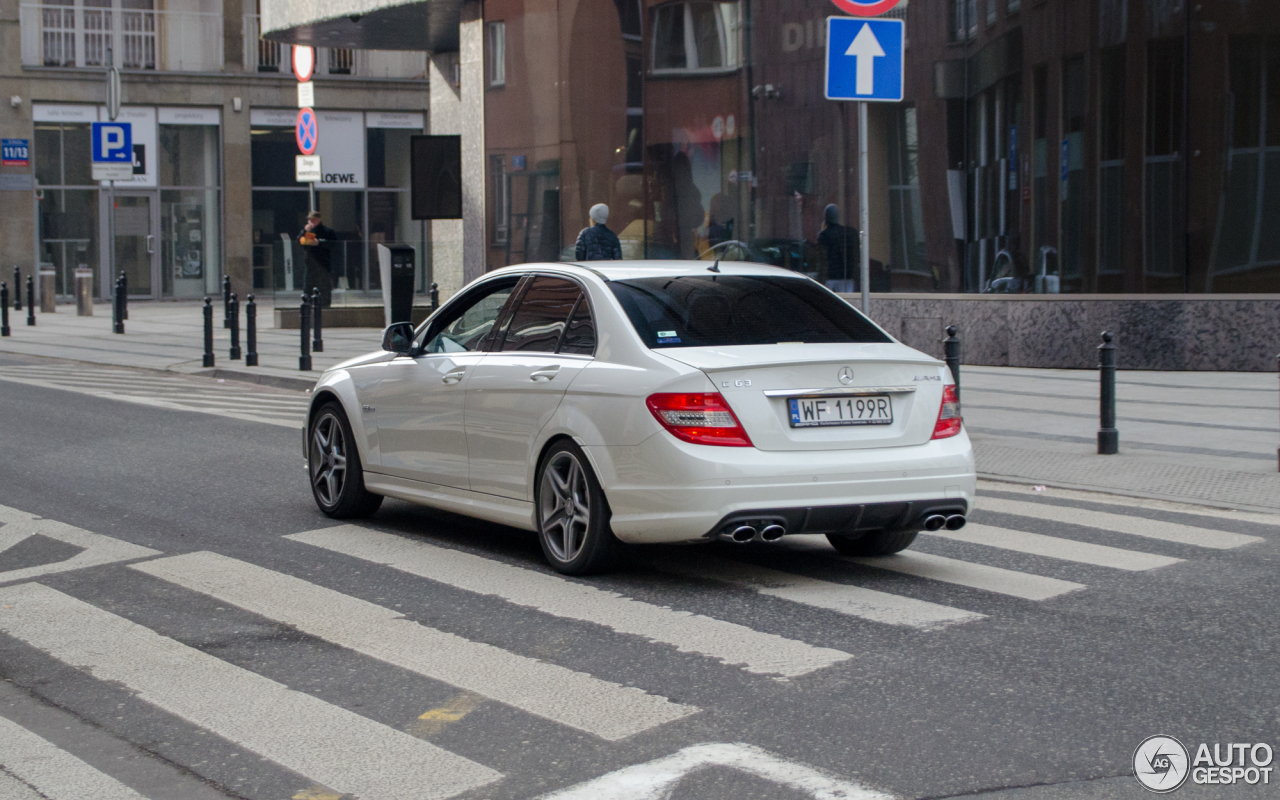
(716, 266)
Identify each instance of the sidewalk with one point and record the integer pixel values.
(1201, 437)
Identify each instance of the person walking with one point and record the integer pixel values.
(597, 242)
(317, 238)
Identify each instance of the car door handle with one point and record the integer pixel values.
(544, 374)
(454, 375)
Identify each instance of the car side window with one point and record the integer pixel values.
(541, 317)
(465, 328)
(580, 336)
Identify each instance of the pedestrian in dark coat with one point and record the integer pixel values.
(598, 243)
(317, 238)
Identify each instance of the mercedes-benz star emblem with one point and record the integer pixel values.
(845, 375)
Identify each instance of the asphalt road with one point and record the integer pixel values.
(289, 665)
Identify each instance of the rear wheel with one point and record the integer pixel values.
(876, 543)
(573, 516)
(337, 478)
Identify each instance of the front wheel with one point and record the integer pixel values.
(337, 477)
(876, 543)
(573, 516)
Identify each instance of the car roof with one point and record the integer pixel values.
(623, 270)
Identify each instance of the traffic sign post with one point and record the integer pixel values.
(307, 134)
(864, 63)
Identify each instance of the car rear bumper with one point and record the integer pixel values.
(665, 490)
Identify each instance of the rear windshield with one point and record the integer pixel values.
(721, 310)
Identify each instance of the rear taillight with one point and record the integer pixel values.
(698, 417)
(949, 420)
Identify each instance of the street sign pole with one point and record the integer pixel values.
(113, 111)
(864, 213)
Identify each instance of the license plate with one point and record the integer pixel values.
(824, 412)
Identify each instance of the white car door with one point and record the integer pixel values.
(419, 403)
(517, 387)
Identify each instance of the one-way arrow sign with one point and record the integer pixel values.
(864, 59)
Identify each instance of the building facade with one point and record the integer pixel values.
(212, 109)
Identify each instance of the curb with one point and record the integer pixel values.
(264, 379)
(1086, 487)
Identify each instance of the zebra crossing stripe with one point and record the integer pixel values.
(1053, 547)
(97, 549)
(977, 576)
(47, 771)
(561, 695)
(854, 601)
(730, 643)
(327, 744)
(1120, 523)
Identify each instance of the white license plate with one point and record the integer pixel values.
(823, 412)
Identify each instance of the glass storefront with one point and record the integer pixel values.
(1044, 146)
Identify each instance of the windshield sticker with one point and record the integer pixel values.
(666, 334)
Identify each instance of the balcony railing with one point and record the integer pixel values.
(65, 35)
(261, 55)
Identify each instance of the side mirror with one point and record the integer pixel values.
(398, 338)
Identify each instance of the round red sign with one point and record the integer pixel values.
(865, 8)
(304, 61)
(307, 132)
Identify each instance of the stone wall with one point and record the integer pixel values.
(1184, 332)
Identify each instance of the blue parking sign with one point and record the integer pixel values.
(864, 59)
(112, 143)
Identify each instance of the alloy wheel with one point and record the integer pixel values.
(328, 460)
(565, 506)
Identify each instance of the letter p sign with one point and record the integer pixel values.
(112, 142)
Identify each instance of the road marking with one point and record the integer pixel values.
(1120, 523)
(976, 576)
(317, 793)
(1053, 547)
(437, 719)
(51, 771)
(1127, 502)
(329, 745)
(855, 601)
(732, 644)
(13, 789)
(657, 779)
(98, 549)
(599, 707)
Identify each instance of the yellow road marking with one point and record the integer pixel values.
(317, 793)
(437, 719)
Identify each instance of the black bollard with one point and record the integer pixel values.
(235, 327)
(951, 354)
(117, 306)
(4, 309)
(208, 332)
(1108, 436)
(251, 332)
(124, 296)
(435, 296)
(31, 300)
(317, 339)
(226, 301)
(17, 289)
(304, 320)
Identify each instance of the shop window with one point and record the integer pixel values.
(697, 35)
(62, 156)
(1040, 162)
(1163, 179)
(1072, 189)
(497, 53)
(1111, 89)
(68, 234)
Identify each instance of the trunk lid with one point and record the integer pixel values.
(758, 382)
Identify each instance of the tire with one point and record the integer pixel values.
(333, 465)
(876, 543)
(572, 514)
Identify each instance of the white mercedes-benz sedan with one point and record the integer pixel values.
(643, 402)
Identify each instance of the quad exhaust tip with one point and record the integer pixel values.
(935, 522)
(955, 522)
(772, 533)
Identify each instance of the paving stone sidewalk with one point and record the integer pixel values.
(1200, 437)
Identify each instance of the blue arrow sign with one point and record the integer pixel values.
(112, 142)
(864, 59)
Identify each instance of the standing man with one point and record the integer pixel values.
(843, 248)
(598, 243)
(317, 238)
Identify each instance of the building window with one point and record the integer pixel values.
(1072, 167)
(342, 61)
(906, 226)
(1014, 7)
(696, 35)
(1163, 184)
(991, 13)
(497, 53)
(964, 20)
(1111, 88)
(501, 200)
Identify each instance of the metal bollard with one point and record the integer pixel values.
(304, 319)
(235, 327)
(251, 332)
(117, 305)
(226, 301)
(17, 288)
(951, 354)
(4, 309)
(31, 300)
(124, 296)
(208, 332)
(435, 296)
(317, 339)
(1108, 436)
